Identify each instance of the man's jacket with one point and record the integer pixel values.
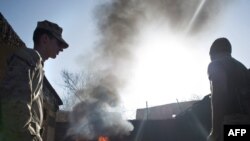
(21, 97)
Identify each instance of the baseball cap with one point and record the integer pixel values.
(55, 30)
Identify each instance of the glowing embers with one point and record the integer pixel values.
(103, 138)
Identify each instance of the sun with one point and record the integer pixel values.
(168, 68)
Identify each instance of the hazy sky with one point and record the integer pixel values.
(165, 64)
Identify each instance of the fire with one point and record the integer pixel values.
(103, 138)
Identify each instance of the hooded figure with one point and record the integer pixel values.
(227, 76)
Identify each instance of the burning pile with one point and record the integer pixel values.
(103, 138)
(98, 116)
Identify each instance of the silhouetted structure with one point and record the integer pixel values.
(163, 112)
(191, 125)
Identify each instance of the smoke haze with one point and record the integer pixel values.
(119, 23)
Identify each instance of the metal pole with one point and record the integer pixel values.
(147, 110)
(179, 105)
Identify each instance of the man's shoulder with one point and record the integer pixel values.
(225, 63)
(239, 64)
(28, 55)
(230, 66)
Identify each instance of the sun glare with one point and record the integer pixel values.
(168, 68)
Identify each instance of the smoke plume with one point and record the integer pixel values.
(119, 22)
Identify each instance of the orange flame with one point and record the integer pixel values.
(103, 138)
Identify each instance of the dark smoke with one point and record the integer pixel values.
(97, 116)
(119, 22)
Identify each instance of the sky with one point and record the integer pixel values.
(155, 55)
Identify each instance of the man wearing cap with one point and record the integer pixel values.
(227, 77)
(21, 89)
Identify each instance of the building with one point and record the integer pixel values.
(51, 105)
(163, 112)
(193, 123)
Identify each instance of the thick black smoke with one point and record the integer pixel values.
(119, 22)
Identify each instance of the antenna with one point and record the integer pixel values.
(146, 110)
(179, 105)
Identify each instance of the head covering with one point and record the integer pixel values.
(54, 29)
(220, 45)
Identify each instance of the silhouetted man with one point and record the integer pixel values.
(227, 77)
(21, 95)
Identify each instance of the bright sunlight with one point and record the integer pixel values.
(169, 67)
